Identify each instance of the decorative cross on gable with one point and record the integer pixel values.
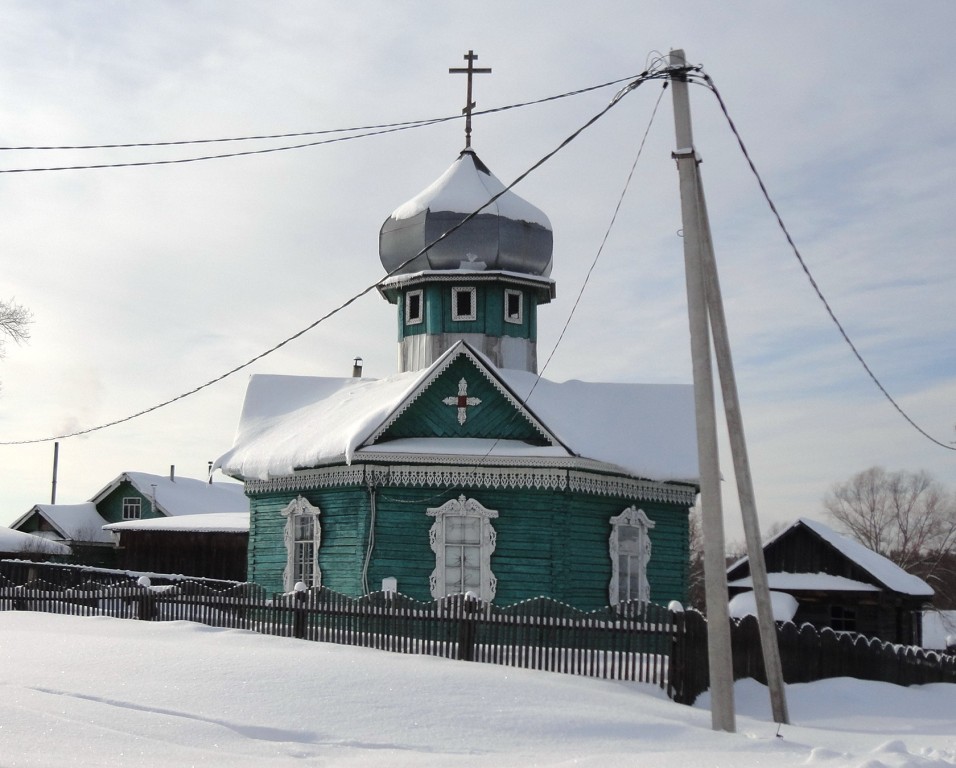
(470, 70)
(462, 401)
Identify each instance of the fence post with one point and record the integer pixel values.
(298, 611)
(467, 608)
(147, 601)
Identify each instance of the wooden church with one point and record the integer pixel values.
(465, 471)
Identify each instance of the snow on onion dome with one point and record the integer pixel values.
(509, 235)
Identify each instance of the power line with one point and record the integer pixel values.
(353, 133)
(696, 74)
(355, 297)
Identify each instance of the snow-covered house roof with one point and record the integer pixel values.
(881, 569)
(17, 541)
(175, 496)
(215, 522)
(70, 522)
(296, 422)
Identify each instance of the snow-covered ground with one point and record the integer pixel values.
(92, 691)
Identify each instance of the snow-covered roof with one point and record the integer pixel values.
(458, 222)
(294, 422)
(18, 541)
(72, 522)
(811, 582)
(215, 522)
(884, 570)
(181, 495)
(783, 606)
(464, 188)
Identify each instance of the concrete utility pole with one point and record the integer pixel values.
(719, 658)
(705, 309)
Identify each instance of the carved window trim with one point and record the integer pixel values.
(463, 508)
(472, 293)
(629, 553)
(512, 296)
(299, 512)
(414, 300)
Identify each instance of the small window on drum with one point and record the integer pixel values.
(463, 304)
(414, 310)
(513, 306)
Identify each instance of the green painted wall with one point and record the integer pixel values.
(489, 317)
(550, 543)
(111, 508)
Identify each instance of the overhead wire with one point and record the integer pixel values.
(697, 75)
(597, 116)
(352, 134)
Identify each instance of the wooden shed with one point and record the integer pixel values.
(205, 545)
(839, 583)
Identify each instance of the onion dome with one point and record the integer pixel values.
(509, 235)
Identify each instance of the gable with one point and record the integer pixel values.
(810, 547)
(70, 522)
(110, 506)
(464, 400)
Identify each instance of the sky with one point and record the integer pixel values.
(140, 694)
(147, 282)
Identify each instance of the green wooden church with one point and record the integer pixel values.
(465, 471)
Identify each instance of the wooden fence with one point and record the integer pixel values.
(806, 654)
(637, 641)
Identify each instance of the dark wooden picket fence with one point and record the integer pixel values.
(636, 641)
(806, 654)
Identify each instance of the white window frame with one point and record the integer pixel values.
(516, 319)
(296, 509)
(624, 562)
(132, 508)
(420, 317)
(458, 508)
(462, 317)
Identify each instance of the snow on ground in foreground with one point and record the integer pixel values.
(106, 692)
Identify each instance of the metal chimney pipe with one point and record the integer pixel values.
(172, 472)
(357, 368)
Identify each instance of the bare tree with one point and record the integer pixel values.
(905, 516)
(15, 322)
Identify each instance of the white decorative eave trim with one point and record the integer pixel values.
(580, 475)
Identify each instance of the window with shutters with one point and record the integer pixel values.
(630, 550)
(303, 534)
(463, 539)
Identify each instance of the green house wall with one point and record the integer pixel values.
(552, 543)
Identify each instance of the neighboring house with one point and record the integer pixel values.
(840, 583)
(16, 544)
(78, 526)
(209, 545)
(129, 496)
(465, 472)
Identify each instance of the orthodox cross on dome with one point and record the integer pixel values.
(462, 401)
(470, 70)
